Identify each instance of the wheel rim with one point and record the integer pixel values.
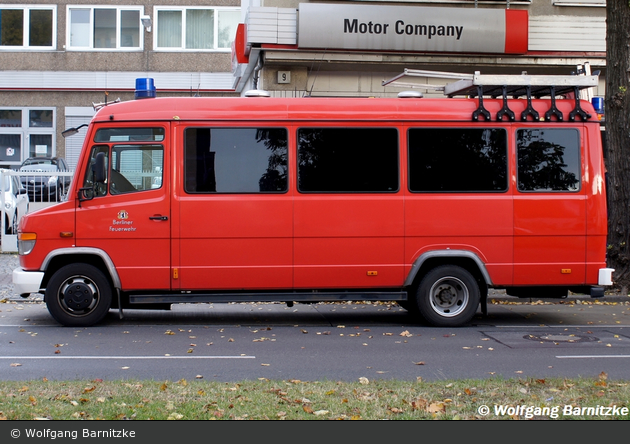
(449, 297)
(78, 296)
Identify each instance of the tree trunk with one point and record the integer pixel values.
(617, 103)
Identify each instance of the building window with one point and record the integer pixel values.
(195, 29)
(27, 27)
(105, 28)
(580, 3)
(26, 132)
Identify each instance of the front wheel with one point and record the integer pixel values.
(448, 296)
(78, 295)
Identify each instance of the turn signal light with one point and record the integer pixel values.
(26, 243)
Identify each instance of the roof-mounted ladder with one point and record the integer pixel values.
(514, 85)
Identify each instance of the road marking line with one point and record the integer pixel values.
(592, 356)
(126, 357)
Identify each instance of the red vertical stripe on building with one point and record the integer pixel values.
(516, 31)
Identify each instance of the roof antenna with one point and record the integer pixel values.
(310, 93)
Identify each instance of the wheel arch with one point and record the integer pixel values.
(87, 255)
(463, 258)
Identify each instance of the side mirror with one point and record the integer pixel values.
(99, 168)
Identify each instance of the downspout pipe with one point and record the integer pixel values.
(259, 65)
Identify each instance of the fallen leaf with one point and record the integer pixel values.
(307, 408)
(363, 380)
(419, 363)
(15, 364)
(436, 407)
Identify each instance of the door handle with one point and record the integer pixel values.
(158, 217)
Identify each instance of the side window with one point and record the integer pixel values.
(458, 160)
(136, 168)
(348, 160)
(548, 159)
(235, 160)
(131, 167)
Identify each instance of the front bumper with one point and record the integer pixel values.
(27, 282)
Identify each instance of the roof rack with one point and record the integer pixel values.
(514, 85)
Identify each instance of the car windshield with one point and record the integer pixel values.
(39, 167)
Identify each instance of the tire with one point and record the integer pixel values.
(78, 295)
(14, 224)
(448, 296)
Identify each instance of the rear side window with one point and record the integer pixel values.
(235, 160)
(458, 160)
(548, 159)
(348, 160)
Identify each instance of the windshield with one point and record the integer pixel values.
(39, 167)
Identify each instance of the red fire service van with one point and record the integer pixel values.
(426, 202)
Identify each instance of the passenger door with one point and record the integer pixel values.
(234, 209)
(128, 218)
(349, 215)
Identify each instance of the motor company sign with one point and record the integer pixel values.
(410, 28)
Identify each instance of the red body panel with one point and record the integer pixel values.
(292, 240)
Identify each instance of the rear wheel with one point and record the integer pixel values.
(448, 296)
(78, 295)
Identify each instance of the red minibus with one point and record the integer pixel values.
(429, 202)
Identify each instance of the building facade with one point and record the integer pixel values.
(57, 58)
(350, 48)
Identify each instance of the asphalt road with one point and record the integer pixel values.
(232, 342)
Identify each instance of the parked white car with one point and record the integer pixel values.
(16, 202)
